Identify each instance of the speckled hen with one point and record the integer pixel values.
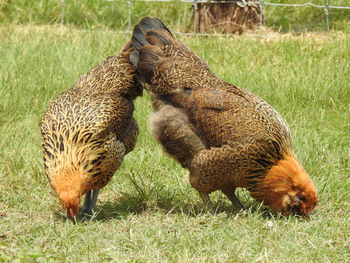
(224, 135)
(87, 131)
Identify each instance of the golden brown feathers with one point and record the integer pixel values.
(67, 183)
(88, 129)
(226, 136)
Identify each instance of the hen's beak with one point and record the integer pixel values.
(72, 211)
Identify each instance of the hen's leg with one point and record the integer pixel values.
(89, 202)
(131, 135)
(94, 199)
(230, 193)
(212, 169)
(207, 202)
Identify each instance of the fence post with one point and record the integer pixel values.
(129, 16)
(63, 4)
(196, 16)
(326, 10)
(261, 4)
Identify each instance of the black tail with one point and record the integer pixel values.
(141, 29)
(140, 33)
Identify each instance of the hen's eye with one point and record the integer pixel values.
(187, 90)
(302, 198)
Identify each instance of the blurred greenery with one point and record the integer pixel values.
(91, 14)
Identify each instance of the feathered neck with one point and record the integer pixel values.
(286, 173)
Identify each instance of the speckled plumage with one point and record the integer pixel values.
(88, 129)
(226, 136)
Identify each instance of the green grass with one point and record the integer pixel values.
(149, 212)
(303, 19)
(99, 15)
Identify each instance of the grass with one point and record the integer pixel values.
(99, 15)
(303, 19)
(149, 212)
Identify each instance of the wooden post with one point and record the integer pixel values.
(226, 17)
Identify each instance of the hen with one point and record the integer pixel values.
(87, 131)
(224, 135)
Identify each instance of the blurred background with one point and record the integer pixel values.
(183, 15)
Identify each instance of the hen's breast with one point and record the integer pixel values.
(85, 131)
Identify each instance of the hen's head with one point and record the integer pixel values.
(288, 189)
(68, 187)
(70, 202)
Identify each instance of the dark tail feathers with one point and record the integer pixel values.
(141, 30)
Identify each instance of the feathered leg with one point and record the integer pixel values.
(207, 169)
(172, 129)
(131, 135)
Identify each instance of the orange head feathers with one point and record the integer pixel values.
(288, 189)
(70, 204)
(67, 185)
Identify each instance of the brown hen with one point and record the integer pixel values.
(226, 136)
(87, 131)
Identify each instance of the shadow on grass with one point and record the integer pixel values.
(135, 205)
(124, 209)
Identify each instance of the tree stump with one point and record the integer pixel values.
(229, 18)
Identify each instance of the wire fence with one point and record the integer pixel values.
(242, 3)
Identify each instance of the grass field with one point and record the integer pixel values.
(149, 212)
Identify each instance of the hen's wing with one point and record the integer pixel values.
(224, 117)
